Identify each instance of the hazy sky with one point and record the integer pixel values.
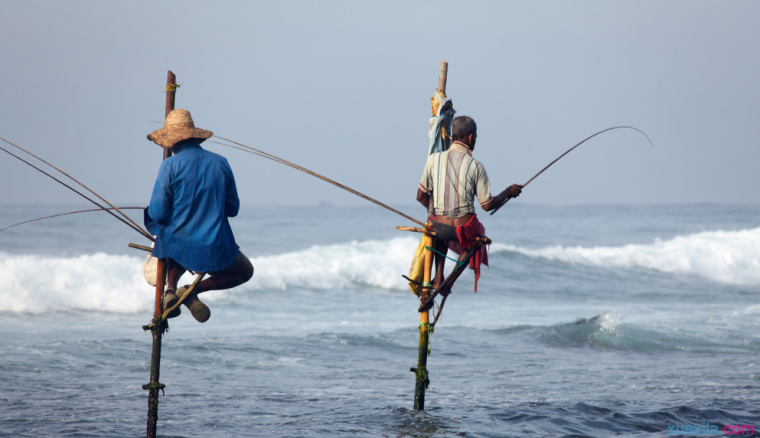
(343, 88)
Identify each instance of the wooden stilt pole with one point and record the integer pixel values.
(158, 330)
(421, 373)
(171, 88)
(442, 76)
(155, 359)
(421, 370)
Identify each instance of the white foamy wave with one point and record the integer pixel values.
(370, 263)
(726, 256)
(105, 282)
(102, 282)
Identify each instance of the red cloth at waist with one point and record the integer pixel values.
(467, 235)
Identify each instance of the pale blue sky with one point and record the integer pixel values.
(343, 88)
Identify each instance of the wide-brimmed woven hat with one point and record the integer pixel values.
(178, 126)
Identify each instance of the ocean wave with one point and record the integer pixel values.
(608, 331)
(104, 282)
(731, 257)
(112, 283)
(371, 263)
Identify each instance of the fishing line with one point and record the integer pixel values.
(260, 153)
(568, 151)
(130, 224)
(73, 179)
(70, 212)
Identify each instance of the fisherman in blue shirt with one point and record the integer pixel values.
(194, 195)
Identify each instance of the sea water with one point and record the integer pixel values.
(592, 321)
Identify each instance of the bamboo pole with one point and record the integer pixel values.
(171, 88)
(155, 360)
(421, 373)
(422, 380)
(442, 77)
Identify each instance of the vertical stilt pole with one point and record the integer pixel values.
(171, 88)
(421, 370)
(443, 76)
(155, 360)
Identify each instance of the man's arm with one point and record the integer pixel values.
(512, 191)
(232, 202)
(423, 197)
(161, 200)
(423, 193)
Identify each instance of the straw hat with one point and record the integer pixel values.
(178, 126)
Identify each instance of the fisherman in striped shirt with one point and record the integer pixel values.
(451, 181)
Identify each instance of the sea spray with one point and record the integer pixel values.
(731, 257)
(113, 282)
(370, 263)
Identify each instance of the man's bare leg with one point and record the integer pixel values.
(175, 272)
(440, 261)
(439, 272)
(239, 272)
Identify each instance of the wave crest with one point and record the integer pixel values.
(112, 283)
(99, 281)
(731, 257)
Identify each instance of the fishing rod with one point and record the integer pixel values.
(67, 213)
(268, 156)
(129, 222)
(568, 151)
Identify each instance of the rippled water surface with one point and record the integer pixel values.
(592, 321)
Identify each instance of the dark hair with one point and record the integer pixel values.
(463, 126)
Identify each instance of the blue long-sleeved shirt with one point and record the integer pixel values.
(194, 195)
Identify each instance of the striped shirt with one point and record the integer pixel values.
(455, 178)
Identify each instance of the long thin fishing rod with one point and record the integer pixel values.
(145, 233)
(569, 150)
(302, 169)
(136, 228)
(67, 213)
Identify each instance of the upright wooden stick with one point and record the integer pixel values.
(171, 88)
(421, 373)
(155, 360)
(442, 76)
(421, 370)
